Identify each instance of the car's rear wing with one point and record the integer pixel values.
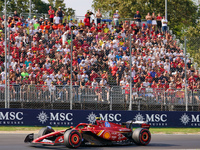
(144, 124)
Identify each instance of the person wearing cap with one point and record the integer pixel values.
(40, 21)
(116, 17)
(28, 20)
(137, 18)
(48, 80)
(51, 14)
(36, 25)
(60, 14)
(87, 20)
(34, 19)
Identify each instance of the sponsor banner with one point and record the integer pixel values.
(38, 117)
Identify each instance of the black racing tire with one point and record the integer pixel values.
(141, 136)
(45, 130)
(72, 139)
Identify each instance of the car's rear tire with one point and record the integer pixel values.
(45, 130)
(72, 139)
(141, 136)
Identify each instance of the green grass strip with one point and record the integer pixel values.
(153, 130)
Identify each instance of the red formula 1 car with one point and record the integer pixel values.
(101, 133)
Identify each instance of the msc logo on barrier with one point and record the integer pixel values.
(193, 120)
(42, 117)
(56, 118)
(106, 117)
(11, 118)
(153, 119)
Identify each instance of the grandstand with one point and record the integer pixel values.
(39, 68)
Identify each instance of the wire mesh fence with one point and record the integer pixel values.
(100, 98)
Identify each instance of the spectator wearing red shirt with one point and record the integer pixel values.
(93, 75)
(135, 78)
(99, 28)
(87, 20)
(178, 84)
(154, 85)
(159, 24)
(51, 13)
(149, 78)
(191, 79)
(159, 85)
(114, 70)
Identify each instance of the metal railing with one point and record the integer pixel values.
(99, 98)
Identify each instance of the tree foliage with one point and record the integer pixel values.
(23, 6)
(38, 6)
(57, 3)
(70, 12)
(193, 42)
(181, 13)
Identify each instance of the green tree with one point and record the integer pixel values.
(57, 3)
(193, 42)
(40, 6)
(70, 12)
(181, 13)
(23, 6)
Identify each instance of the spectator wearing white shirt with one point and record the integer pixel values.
(56, 19)
(94, 83)
(34, 20)
(85, 76)
(48, 81)
(164, 24)
(59, 75)
(103, 82)
(111, 55)
(116, 17)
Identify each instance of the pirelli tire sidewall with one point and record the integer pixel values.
(141, 136)
(72, 139)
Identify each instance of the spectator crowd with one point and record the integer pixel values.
(40, 52)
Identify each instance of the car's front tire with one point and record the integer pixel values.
(72, 139)
(45, 130)
(141, 136)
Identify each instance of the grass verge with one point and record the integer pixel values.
(153, 130)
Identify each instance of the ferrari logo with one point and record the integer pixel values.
(106, 135)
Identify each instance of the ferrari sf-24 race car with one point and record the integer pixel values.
(101, 133)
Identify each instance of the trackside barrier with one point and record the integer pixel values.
(46, 117)
(99, 98)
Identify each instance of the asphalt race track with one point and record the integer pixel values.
(158, 141)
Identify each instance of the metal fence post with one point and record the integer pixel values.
(186, 97)
(71, 70)
(130, 103)
(6, 94)
(110, 98)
